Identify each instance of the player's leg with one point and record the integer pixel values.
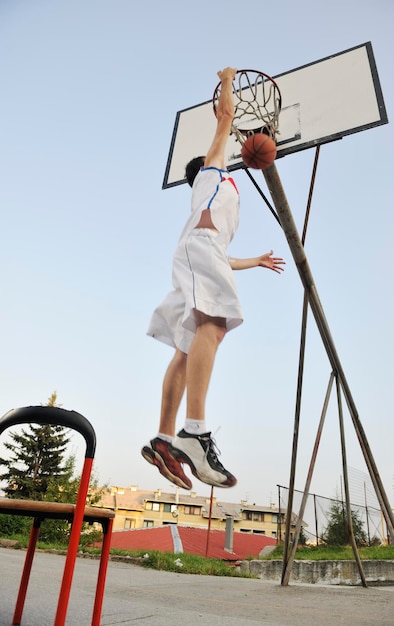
(192, 445)
(209, 334)
(156, 451)
(172, 392)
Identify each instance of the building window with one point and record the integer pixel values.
(129, 523)
(253, 516)
(152, 506)
(192, 510)
(169, 508)
(148, 523)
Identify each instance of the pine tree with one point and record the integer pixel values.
(337, 533)
(36, 460)
(38, 470)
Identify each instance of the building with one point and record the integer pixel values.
(136, 509)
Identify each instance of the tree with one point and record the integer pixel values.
(36, 460)
(66, 490)
(39, 470)
(337, 532)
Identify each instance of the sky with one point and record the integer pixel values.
(90, 91)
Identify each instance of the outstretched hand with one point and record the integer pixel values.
(271, 262)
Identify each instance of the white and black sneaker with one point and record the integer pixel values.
(201, 454)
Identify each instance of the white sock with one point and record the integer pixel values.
(167, 438)
(195, 427)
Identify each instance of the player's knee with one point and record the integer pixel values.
(220, 333)
(212, 327)
(180, 357)
(216, 332)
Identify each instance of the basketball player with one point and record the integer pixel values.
(203, 306)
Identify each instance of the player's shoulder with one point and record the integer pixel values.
(209, 168)
(208, 177)
(211, 171)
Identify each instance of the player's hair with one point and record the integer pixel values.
(192, 169)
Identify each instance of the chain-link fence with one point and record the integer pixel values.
(319, 512)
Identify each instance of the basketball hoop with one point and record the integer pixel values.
(257, 104)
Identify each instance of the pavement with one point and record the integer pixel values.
(135, 595)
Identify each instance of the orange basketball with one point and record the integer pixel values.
(258, 151)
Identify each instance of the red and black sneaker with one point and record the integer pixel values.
(157, 453)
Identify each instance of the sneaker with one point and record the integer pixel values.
(156, 452)
(200, 453)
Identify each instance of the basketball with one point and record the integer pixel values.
(258, 151)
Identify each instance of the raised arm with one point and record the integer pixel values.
(224, 115)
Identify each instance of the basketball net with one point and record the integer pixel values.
(257, 104)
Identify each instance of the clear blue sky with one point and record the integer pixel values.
(90, 90)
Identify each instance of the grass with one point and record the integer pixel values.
(335, 553)
(184, 563)
(168, 561)
(192, 564)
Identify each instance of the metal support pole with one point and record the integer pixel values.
(349, 518)
(287, 566)
(316, 523)
(209, 523)
(287, 222)
(286, 547)
(301, 360)
(279, 525)
(367, 514)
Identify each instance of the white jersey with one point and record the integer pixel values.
(215, 190)
(202, 277)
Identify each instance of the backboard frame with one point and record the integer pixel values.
(349, 98)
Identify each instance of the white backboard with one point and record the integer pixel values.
(321, 102)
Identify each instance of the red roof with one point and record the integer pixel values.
(192, 541)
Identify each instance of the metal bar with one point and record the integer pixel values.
(279, 526)
(31, 548)
(76, 528)
(370, 462)
(267, 202)
(316, 523)
(349, 518)
(301, 361)
(279, 198)
(366, 513)
(286, 547)
(102, 573)
(311, 188)
(305, 495)
(209, 523)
